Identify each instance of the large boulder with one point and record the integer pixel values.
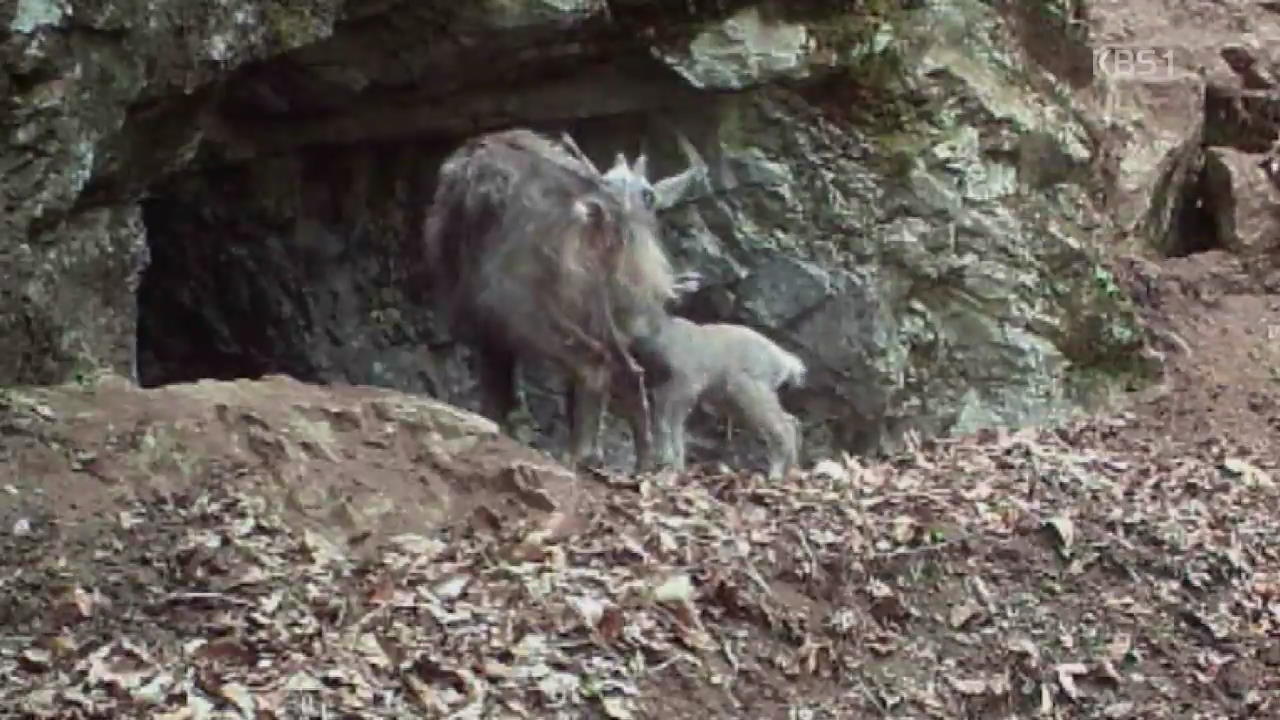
(1243, 190)
(1181, 136)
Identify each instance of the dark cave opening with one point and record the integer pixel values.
(202, 311)
(287, 244)
(1195, 224)
(303, 264)
(283, 265)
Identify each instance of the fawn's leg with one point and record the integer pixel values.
(760, 408)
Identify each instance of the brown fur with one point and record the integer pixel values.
(535, 251)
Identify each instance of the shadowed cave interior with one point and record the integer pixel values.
(304, 265)
(1196, 227)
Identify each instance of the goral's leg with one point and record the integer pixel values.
(674, 400)
(588, 401)
(760, 408)
(496, 372)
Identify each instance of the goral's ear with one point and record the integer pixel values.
(598, 232)
(641, 166)
(589, 212)
(672, 190)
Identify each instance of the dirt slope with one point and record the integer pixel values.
(269, 549)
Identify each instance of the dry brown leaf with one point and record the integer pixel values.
(611, 624)
(904, 529)
(1107, 669)
(1067, 673)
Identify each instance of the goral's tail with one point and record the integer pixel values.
(794, 370)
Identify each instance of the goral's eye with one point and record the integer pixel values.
(648, 197)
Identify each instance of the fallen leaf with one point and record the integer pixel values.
(968, 687)
(616, 708)
(36, 659)
(1067, 673)
(1065, 531)
(418, 545)
(676, 589)
(1252, 475)
(1025, 646)
(829, 470)
(1107, 669)
(182, 713)
(1118, 711)
(452, 588)
(72, 605)
(963, 613)
(155, 692)
(590, 610)
(611, 624)
(1046, 701)
(904, 529)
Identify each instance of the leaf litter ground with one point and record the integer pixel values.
(207, 552)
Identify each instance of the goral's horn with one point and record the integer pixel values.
(569, 142)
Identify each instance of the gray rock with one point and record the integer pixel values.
(1243, 199)
(743, 51)
(780, 289)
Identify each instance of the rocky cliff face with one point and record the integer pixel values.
(912, 196)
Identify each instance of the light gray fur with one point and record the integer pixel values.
(731, 367)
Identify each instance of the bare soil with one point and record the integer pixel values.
(272, 549)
